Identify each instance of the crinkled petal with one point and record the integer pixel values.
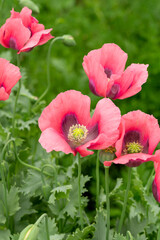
(38, 38)
(132, 80)
(52, 140)
(69, 102)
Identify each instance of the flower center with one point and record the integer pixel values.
(77, 134)
(110, 149)
(133, 147)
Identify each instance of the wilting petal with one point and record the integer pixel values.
(52, 140)
(132, 80)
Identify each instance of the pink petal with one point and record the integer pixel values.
(156, 181)
(132, 80)
(14, 30)
(113, 58)
(146, 124)
(38, 38)
(130, 157)
(95, 72)
(3, 94)
(52, 140)
(26, 17)
(69, 102)
(108, 117)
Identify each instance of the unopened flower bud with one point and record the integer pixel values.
(29, 233)
(69, 41)
(107, 154)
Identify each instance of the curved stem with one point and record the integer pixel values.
(97, 181)
(125, 199)
(48, 70)
(23, 163)
(79, 190)
(16, 100)
(107, 200)
(47, 230)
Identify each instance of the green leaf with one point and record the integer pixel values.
(119, 236)
(30, 4)
(51, 227)
(100, 226)
(60, 192)
(25, 92)
(85, 234)
(13, 200)
(3, 134)
(26, 124)
(7, 55)
(4, 234)
(117, 186)
(32, 184)
(57, 237)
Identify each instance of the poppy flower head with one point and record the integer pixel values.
(66, 124)
(9, 76)
(22, 32)
(139, 136)
(107, 78)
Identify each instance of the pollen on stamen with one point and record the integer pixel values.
(133, 147)
(77, 134)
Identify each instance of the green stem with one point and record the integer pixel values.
(4, 185)
(97, 181)
(107, 200)
(48, 70)
(47, 229)
(79, 190)
(149, 182)
(125, 199)
(16, 100)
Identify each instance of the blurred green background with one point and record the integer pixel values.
(133, 25)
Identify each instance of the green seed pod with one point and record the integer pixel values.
(107, 154)
(69, 41)
(29, 233)
(46, 189)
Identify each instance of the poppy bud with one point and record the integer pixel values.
(69, 41)
(29, 233)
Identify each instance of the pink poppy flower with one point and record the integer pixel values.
(9, 76)
(156, 181)
(139, 136)
(107, 78)
(66, 124)
(23, 32)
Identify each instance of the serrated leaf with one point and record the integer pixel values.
(4, 234)
(100, 226)
(32, 184)
(25, 92)
(60, 192)
(15, 236)
(13, 200)
(86, 233)
(26, 124)
(117, 186)
(57, 237)
(3, 133)
(51, 227)
(119, 236)
(30, 4)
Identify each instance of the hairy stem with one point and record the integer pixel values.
(79, 190)
(107, 200)
(97, 181)
(125, 199)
